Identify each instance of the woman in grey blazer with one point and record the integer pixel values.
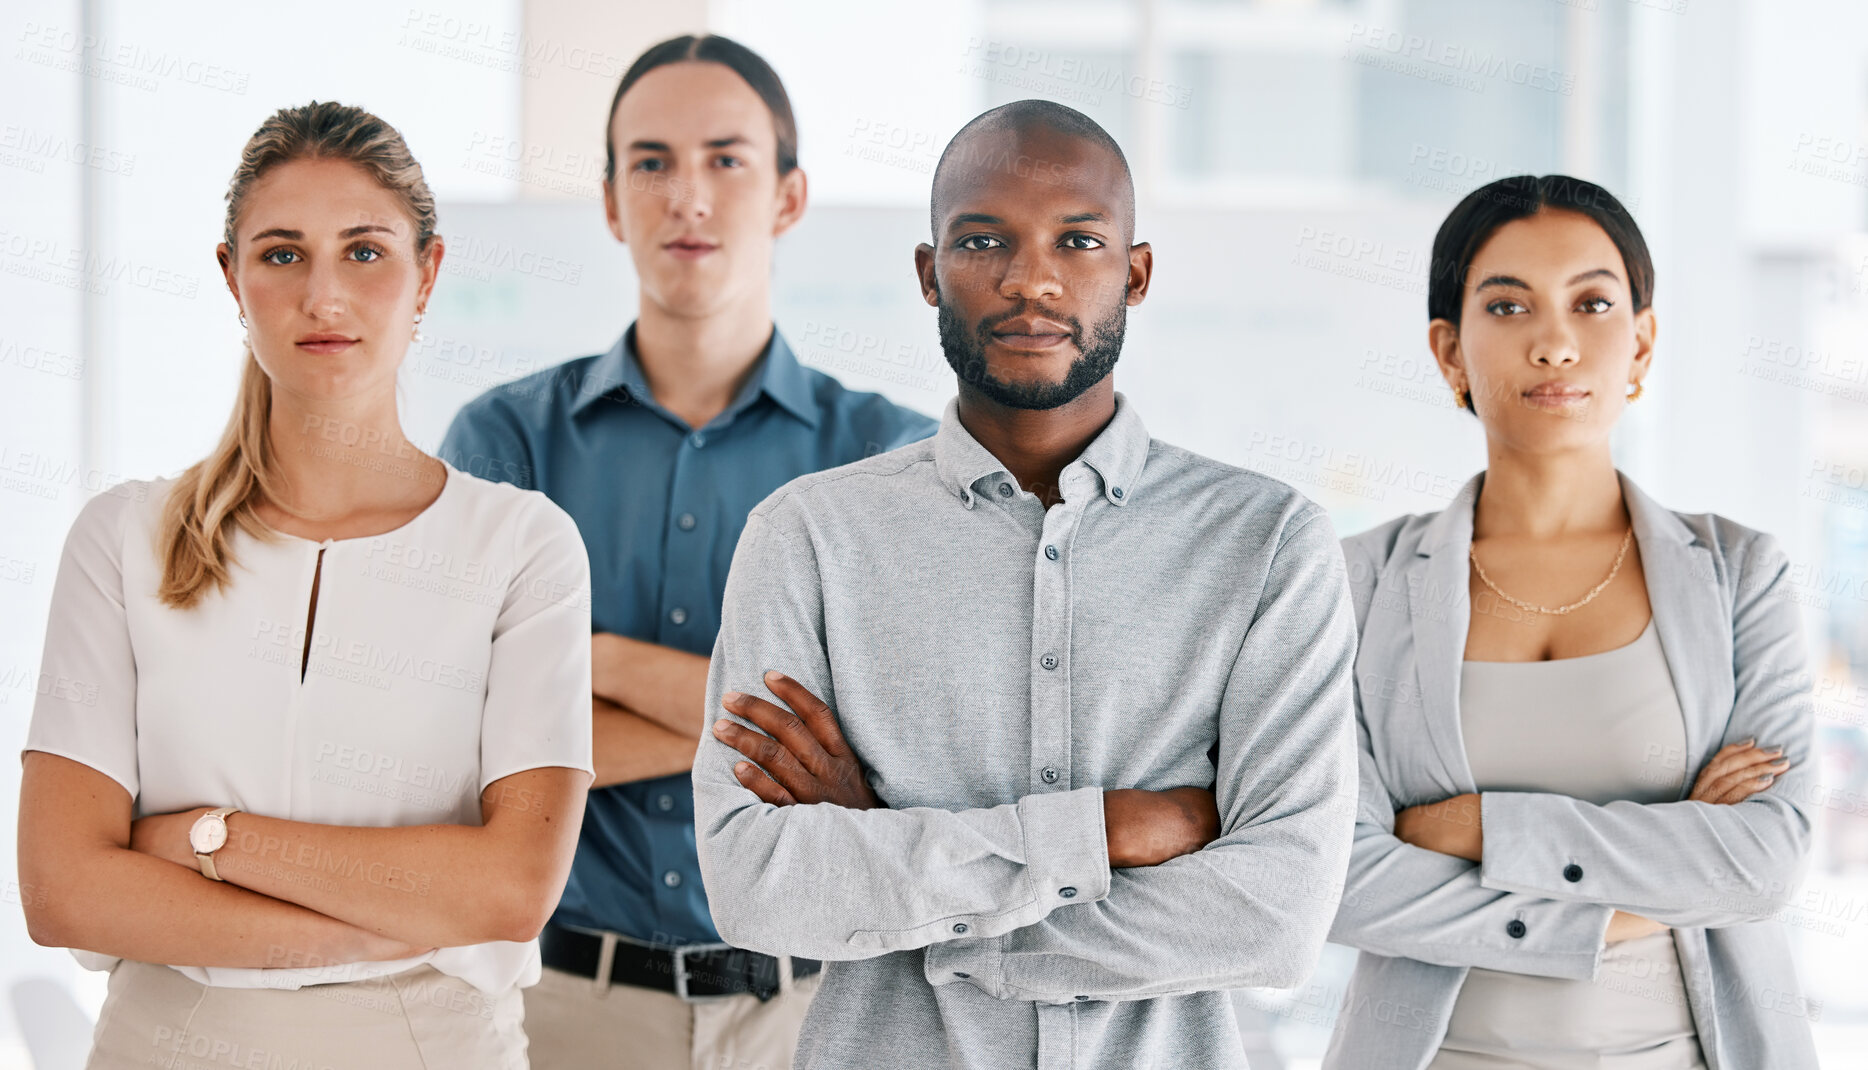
(1534, 882)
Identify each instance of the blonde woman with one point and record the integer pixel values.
(1585, 718)
(323, 782)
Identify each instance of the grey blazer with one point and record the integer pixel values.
(1555, 867)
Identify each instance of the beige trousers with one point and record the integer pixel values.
(575, 1025)
(419, 1019)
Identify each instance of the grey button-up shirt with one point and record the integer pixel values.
(996, 665)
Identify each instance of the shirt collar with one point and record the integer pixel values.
(1115, 455)
(779, 376)
(614, 371)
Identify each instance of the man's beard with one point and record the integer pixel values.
(966, 354)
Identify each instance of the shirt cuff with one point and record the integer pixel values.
(1066, 846)
(1564, 939)
(1066, 860)
(975, 962)
(1517, 859)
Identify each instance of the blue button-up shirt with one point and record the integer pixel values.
(660, 506)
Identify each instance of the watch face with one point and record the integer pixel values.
(208, 835)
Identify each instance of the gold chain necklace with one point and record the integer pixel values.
(1627, 540)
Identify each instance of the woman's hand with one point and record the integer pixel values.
(1450, 826)
(1626, 926)
(1737, 772)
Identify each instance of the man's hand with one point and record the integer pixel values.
(659, 684)
(1450, 826)
(802, 758)
(1146, 828)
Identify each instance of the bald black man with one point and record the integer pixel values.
(1091, 760)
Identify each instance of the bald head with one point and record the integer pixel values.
(1042, 141)
(1034, 263)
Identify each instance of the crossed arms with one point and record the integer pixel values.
(1031, 899)
(1726, 855)
(95, 879)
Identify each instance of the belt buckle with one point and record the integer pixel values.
(678, 957)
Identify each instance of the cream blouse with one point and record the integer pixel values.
(444, 655)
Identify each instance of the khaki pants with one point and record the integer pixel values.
(419, 1019)
(574, 1025)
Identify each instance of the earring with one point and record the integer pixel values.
(1635, 394)
(418, 328)
(1459, 398)
(243, 321)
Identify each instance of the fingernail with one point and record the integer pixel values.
(1774, 750)
(1749, 742)
(1766, 778)
(731, 697)
(723, 724)
(774, 674)
(742, 767)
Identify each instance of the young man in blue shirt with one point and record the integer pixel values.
(659, 448)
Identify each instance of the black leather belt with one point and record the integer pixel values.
(702, 970)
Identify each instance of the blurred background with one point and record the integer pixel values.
(1293, 158)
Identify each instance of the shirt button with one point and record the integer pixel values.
(959, 926)
(1049, 661)
(698, 439)
(1067, 892)
(678, 615)
(1005, 490)
(1051, 552)
(961, 976)
(1572, 873)
(685, 522)
(666, 802)
(1050, 776)
(1514, 929)
(671, 879)
(1083, 999)
(1116, 491)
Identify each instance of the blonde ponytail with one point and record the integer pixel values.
(218, 494)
